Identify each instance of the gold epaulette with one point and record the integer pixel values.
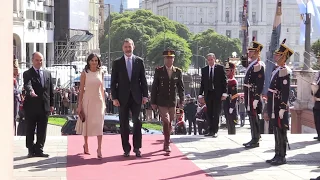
(284, 72)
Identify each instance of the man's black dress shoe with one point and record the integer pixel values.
(30, 155)
(41, 155)
(126, 154)
(138, 152)
(252, 145)
(209, 134)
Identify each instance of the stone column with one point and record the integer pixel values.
(304, 98)
(250, 11)
(237, 10)
(219, 7)
(50, 54)
(44, 53)
(6, 98)
(304, 102)
(224, 11)
(264, 10)
(259, 12)
(233, 11)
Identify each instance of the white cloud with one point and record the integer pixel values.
(135, 3)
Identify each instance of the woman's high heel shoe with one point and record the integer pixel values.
(84, 150)
(99, 155)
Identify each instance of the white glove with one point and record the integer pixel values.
(230, 110)
(255, 104)
(314, 88)
(281, 113)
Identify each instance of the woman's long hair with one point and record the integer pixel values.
(91, 56)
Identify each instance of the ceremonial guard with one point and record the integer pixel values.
(230, 109)
(278, 96)
(167, 81)
(253, 86)
(316, 108)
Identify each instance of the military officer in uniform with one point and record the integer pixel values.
(229, 105)
(253, 86)
(167, 81)
(278, 96)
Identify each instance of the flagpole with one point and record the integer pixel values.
(274, 44)
(307, 44)
(245, 29)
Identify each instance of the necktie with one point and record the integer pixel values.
(40, 77)
(129, 68)
(211, 79)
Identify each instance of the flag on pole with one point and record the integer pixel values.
(316, 12)
(303, 9)
(275, 38)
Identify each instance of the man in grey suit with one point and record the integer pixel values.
(37, 105)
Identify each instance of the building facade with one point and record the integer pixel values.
(94, 23)
(76, 37)
(33, 30)
(225, 18)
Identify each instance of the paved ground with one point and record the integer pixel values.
(225, 157)
(222, 158)
(53, 130)
(52, 168)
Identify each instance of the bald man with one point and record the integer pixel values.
(37, 105)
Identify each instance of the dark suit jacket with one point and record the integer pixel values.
(32, 81)
(219, 81)
(121, 86)
(164, 89)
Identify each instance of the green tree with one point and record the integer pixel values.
(174, 42)
(316, 47)
(141, 26)
(316, 50)
(220, 45)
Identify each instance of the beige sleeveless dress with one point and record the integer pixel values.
(93, 105)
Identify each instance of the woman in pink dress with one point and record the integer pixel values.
(91, 102)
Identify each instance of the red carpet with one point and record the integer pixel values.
(153, 165)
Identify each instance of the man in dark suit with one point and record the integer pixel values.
(129, 89)
(214, 87)
(37, 105)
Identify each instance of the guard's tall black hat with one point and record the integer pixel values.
(255, 46)
(284, 50)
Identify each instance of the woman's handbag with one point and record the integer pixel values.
(80, 121)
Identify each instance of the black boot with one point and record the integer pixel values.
(282, 147)
(276, 145)
(279, 161)
(251, 129)
(273, 159)
(254, 133)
